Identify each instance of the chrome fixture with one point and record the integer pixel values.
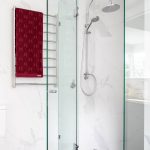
(111, 7)
(92, 21)
(73, 84)
(86, 76)
(76, 147)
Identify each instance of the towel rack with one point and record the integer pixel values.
(54, 76)
(53, 16)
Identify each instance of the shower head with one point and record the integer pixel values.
(95, 19)
(111, 7)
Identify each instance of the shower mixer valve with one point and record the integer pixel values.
(86, 76)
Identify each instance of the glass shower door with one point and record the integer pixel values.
(67, 75)
(137, 75)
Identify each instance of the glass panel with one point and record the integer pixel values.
(147, 76)
(67, 74)
(137, 75)
(52, 91)
(23, 108)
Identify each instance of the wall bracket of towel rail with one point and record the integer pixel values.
(49, 71)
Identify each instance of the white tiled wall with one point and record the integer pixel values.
(101, 115)
(2, 120)
(23, 123)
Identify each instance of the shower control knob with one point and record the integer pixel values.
(73, 84)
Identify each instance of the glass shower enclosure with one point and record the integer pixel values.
(137, 112)
(65, 100)
(67, 75)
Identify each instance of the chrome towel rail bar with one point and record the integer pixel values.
(49, 49)
(53, 16)
(49, 32)
(50, 24)
(36, 84)
(50, 41)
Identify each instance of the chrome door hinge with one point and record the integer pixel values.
(73, 84)
(76, 12)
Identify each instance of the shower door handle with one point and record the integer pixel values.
(73, 84)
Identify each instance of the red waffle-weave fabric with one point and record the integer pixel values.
(28, 43)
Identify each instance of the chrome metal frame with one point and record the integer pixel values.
(14, 55)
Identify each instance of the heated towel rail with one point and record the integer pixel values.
(52, 58)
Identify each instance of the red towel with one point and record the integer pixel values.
(28, 43)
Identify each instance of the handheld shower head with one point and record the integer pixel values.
(92, 21)
(95, 19)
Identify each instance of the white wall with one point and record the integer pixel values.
(22, 109)
(101, 115)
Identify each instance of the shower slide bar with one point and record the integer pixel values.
(49, 50)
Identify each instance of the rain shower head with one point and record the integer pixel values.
(111, 7)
